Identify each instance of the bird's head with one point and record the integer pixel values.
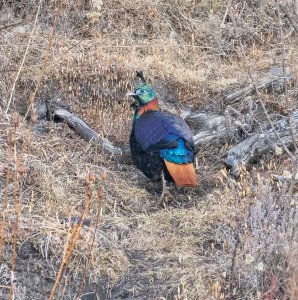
(143, 94)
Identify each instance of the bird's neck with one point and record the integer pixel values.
(152, 105)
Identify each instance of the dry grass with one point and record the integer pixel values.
(227, 240)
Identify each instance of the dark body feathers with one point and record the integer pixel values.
(150, 163)
(157, 136)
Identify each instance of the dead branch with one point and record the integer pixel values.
(285, 11)
(85, 131)
(209, 127)
(253, 147)
(11, 25)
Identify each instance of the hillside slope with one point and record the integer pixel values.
(76, 221)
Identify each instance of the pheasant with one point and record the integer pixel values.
(161, 143)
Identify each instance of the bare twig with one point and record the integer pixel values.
(15, 232)
(100, 194)
(284, 74)
(24, 57)
(274, 130)
(286, 149)
(46, 58)
(288, 16)
(234, 255)
(270, 294)
(75, 233)
(17, 206)
(291, 126)
(3, 224)
(10, 25)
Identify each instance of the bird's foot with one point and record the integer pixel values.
(163, 197)
(165, 192)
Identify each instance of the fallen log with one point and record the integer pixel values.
(213, 129)
(80, 127)
(209, 127)
(258, 144)
(59, 110)
(89, 135)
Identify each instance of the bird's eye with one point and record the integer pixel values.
(140, 91)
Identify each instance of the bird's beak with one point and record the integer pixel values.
(131, 94)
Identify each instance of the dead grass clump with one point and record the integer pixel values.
(216, 26)
(50, 235)
(45, 200)
(250, 259)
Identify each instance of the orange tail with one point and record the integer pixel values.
(183, 175)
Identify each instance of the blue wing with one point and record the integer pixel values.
(167, 133)
(161, 128)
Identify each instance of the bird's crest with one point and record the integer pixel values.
(143, 84)
(140, 75)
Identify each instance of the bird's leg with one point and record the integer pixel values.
(164, 188)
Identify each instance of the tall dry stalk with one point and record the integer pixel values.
(10, 138)
(24, 57)
(288, 108)
(18, 158)
(16, 202)
(90, 178)
(243, 56)
(46, 58)
(100, 194)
